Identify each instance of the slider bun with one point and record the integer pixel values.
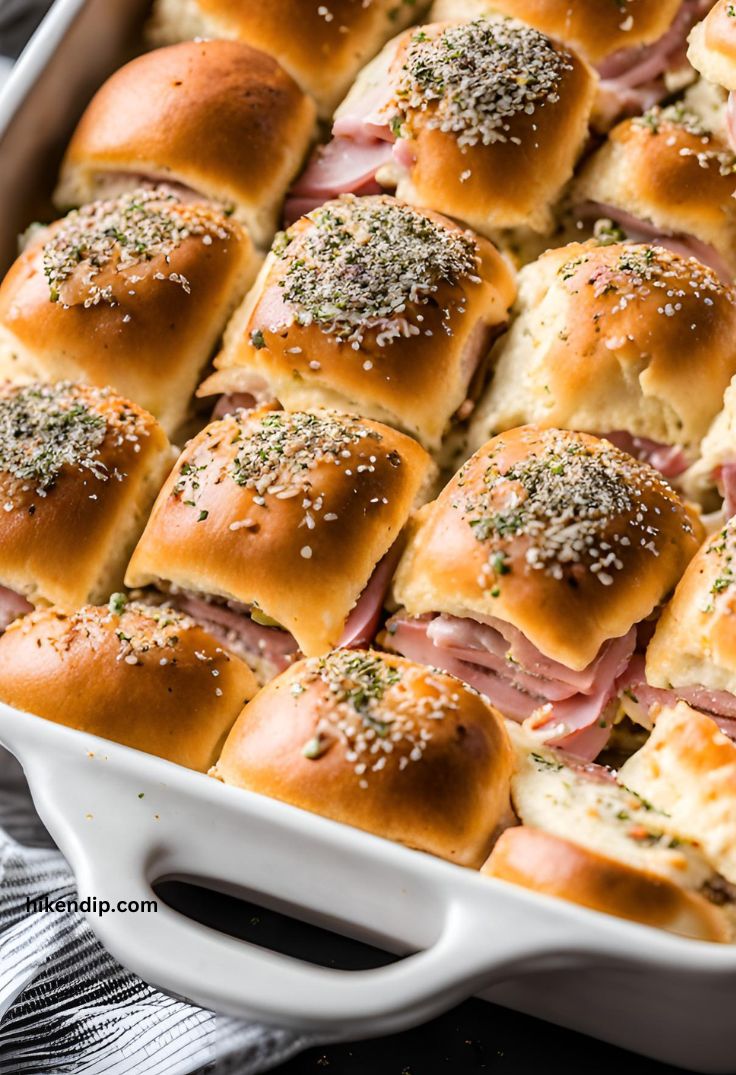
(502, 170)
(321, 54)
(146, 677)
(410, 369)
(695, 640)
(668, 170)
(145, 324)
(712, 49)
(342, 489)
(687, 767)
(217, 117)
(381, 743)
(556, 867)
(717, 447)
(79, 470)
(614, 337)
(504, 540)
(592, 28)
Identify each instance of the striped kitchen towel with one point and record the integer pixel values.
(66, 1006)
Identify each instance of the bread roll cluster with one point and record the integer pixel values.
(368, 436)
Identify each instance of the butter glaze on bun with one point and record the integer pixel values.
(146, 677)
(214, 117)
(79, 470)
(615, 337)
(560, 534)
(132, 292)
(369, 305)
(288, 512)
(380, 743)
(321, 46)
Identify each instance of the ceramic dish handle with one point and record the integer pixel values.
(124, 820)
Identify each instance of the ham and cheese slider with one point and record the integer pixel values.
(591, 840)
(131, 292)
(322, 46)
(665, 176)
(214, 118)
(381, 743)
(481, 120)
(528, 575)
(149, 678)
(279, 531)
(692, 654)
(79, 470)
(637, 47)
(712, 52)
(369, 305)
(634, 343)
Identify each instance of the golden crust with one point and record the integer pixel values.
(321, 54)
(511, 175)
(593, 29)
(687, 767)
(712, 49)
(415, 379)
(695, 641)
(545, 863)
(615, 338)
(342, 489)
(76, 488)
(380, 743)
(148, 678)
(193, 114)
(668, 170)
(145, 325)
(504, 540)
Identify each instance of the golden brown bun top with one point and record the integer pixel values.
(287, 511)
(381, 743)
(557, 867)
(216, 116)
(321, 45)
(713, 45)
(558, 533)
(67, 456)
(695, 640)
(114, 249)
(615, 334)
(592, 28)
(146, 677)
(373, 306)
(668, 169)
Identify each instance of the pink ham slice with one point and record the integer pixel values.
(343, 166)
(232, 402)
(12, 605)
(720, 705)
(725, 478)
(668, 459)
(499, 661)
(362, 623)
(642, 231)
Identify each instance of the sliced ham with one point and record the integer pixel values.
(343, 166)
(725, 477)
(362, 623)
(720, 705)
(643, 231)
(522, 682)
(668, 459)
(232, 624)
(232, 402)
(12, 605)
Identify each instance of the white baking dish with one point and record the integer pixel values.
(125, 820)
